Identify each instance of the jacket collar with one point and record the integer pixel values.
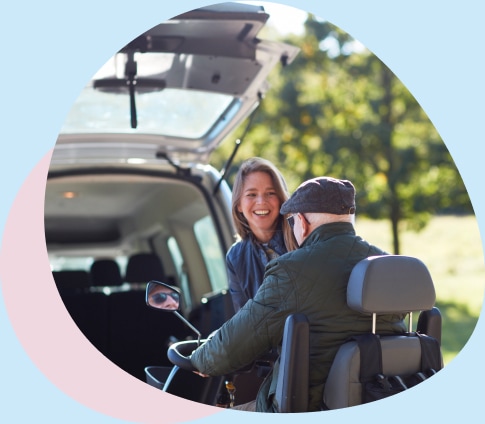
(326, 231)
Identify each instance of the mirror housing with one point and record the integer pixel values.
(162, 296)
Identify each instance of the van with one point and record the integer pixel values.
(131, 195)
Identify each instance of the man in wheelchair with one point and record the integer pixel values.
(310, 282)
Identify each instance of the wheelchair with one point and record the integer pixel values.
(391, 284)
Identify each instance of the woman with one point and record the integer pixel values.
(263, 234)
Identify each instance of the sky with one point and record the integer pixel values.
(287, 19)
(284, 18)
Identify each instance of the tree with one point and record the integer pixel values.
(340, 111)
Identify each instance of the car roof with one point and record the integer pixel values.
(179, 89)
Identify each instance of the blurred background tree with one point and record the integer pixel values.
(337, 110)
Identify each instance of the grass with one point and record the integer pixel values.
(452, 249)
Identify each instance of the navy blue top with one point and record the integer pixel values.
(246, 261)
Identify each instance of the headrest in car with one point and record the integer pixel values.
(143, 267)
(106, 272)
(390, 284)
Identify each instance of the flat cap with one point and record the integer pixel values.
(322, 195)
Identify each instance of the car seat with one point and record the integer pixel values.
(105, 272)
(143, 267)
(72, 281)
(391, 284)
(139, 335)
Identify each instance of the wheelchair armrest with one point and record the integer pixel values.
(429, 322)
(292, 385)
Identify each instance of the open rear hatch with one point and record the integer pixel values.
(178, 89)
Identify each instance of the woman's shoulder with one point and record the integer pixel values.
(238, 247)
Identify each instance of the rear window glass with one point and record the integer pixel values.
(210, 247)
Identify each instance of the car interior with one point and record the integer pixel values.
(117, 232)
(131, 196)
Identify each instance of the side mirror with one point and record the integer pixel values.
(162, 296)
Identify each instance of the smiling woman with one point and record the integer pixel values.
(258, 192)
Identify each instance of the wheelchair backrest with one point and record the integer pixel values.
(383, 285)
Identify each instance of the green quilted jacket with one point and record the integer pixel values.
(311, 280)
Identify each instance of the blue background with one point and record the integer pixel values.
(50, 49)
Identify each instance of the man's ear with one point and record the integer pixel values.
(305, 226)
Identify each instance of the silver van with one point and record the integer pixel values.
(131, 195)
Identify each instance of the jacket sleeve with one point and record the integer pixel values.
(251, 332)
(235, 289)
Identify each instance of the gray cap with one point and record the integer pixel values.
(322, 195)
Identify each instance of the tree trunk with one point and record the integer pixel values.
(388, 129)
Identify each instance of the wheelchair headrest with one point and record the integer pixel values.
(390, 284)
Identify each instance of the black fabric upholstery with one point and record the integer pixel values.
(139, 336)
(90, 312)
(105, 272)
(74, 281)
(143, 267)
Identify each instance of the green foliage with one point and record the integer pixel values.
(343, 113)
(451, 248)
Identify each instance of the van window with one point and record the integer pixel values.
(70, 263)
(210, 247)
(178, 261)
(67, 263)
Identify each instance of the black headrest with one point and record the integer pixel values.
(143, 267)
(390, 284)
(106, 272)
